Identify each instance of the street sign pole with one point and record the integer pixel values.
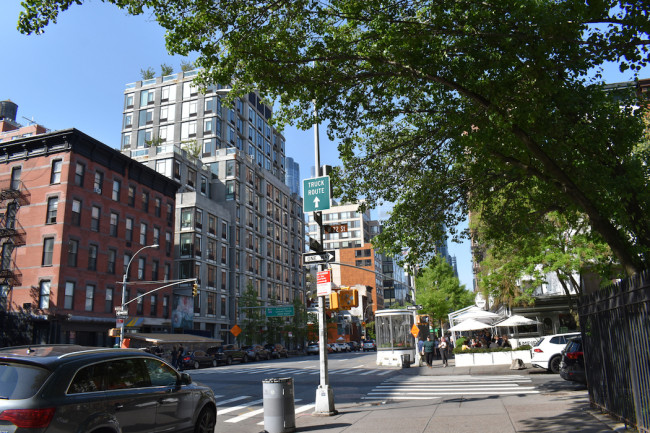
(324, 402)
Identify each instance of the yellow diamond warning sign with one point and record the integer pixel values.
(235, 330)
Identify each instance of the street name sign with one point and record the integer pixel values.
(324, 283)
(315, 258)
(280, 311)
(316, 194)
(335, 228)
(414, 307)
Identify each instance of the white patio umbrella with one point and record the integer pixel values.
(478, 315)
(517, 320)
(469, 325)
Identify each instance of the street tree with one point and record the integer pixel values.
(441, 106)
(253, 319)
(439, 292)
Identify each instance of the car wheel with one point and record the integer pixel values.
(196, 365)
(206, 421)
(214, 363)
(554, 364)
(229, 361)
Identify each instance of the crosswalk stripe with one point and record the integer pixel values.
(299, 410)
(249, 414)
(240, 407)
(241, 397)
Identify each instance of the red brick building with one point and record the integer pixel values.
(74, 213)
(363, 257)
(10, 129)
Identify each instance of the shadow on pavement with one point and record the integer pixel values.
(324, 427)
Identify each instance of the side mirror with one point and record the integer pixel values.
(186, 379)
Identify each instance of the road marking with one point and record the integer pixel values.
(241, 397)
(249, 414)
(234, 408)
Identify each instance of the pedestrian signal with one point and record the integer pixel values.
(335, 302)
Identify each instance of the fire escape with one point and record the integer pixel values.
(12, 235)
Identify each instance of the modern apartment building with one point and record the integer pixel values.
(75, 214)
(239, 225)
(292, 178)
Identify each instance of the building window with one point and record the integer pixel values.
(223, 306)
(154, 304)
(140, 309)
(156, 235)
(76, 212)
(48, 251)
(79, 172)
(145, 201)
(94, 218)
(146, 97)
(131, 198)
(165, 311)
(142, 262)
(127, 260)
(129, 229)
(92, 257)
(117, 185)
(170, 214)
(143, 234)
(98, 184)
(55, 176)
(114, 222)
(186, 218)
(108, 305)
(90, 297)
(211, 301)
(198, 219)
(73, 250)
(154, 270)
(44, 295)
(168, 243)
(212, 224)
(157, 206)
(68, 300)
(52, 206)
(186, 244)
(168, 272)
(112, 255)
(204, 185)
(224, 230)
(191, 178)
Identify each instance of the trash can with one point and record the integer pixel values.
(279, 406)
(406, 360)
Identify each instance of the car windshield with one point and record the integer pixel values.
(19, 381)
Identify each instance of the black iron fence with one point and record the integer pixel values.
(615, 325)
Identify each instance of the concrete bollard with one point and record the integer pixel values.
(279, 406)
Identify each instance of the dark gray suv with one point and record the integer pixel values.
(67, 388)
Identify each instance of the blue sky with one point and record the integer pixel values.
(74, 75)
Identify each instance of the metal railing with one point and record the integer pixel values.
(615, 324)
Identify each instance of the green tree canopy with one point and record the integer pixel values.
(438, 291)
(441, 106)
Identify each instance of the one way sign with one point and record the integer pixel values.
(315, 258)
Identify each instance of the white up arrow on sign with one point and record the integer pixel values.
(316, 201)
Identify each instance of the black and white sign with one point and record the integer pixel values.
(315, 258)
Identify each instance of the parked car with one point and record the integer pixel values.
(369, 345)
(572, 366)
(332, 348)
(227, 353)
(256, 352)
(277, 351)
(547, 351)
(66, 388)
(341, 347)
(353, 346)
(313, 348)
(197, 359)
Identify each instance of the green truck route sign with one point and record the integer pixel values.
(280, 311)
(316, 194)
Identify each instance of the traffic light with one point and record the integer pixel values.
(349, 299)
(335, 302)
(195, 289)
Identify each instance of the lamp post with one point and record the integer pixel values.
(126, 272)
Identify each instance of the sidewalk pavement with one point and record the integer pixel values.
(551, 410)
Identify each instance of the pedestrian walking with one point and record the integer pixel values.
(435, 347)
(442, 348)
(421, 351)
(428, 351)
(174, 356)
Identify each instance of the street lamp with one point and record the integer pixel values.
(126, 272)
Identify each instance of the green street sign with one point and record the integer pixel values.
(280, 311)
(316, 194)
